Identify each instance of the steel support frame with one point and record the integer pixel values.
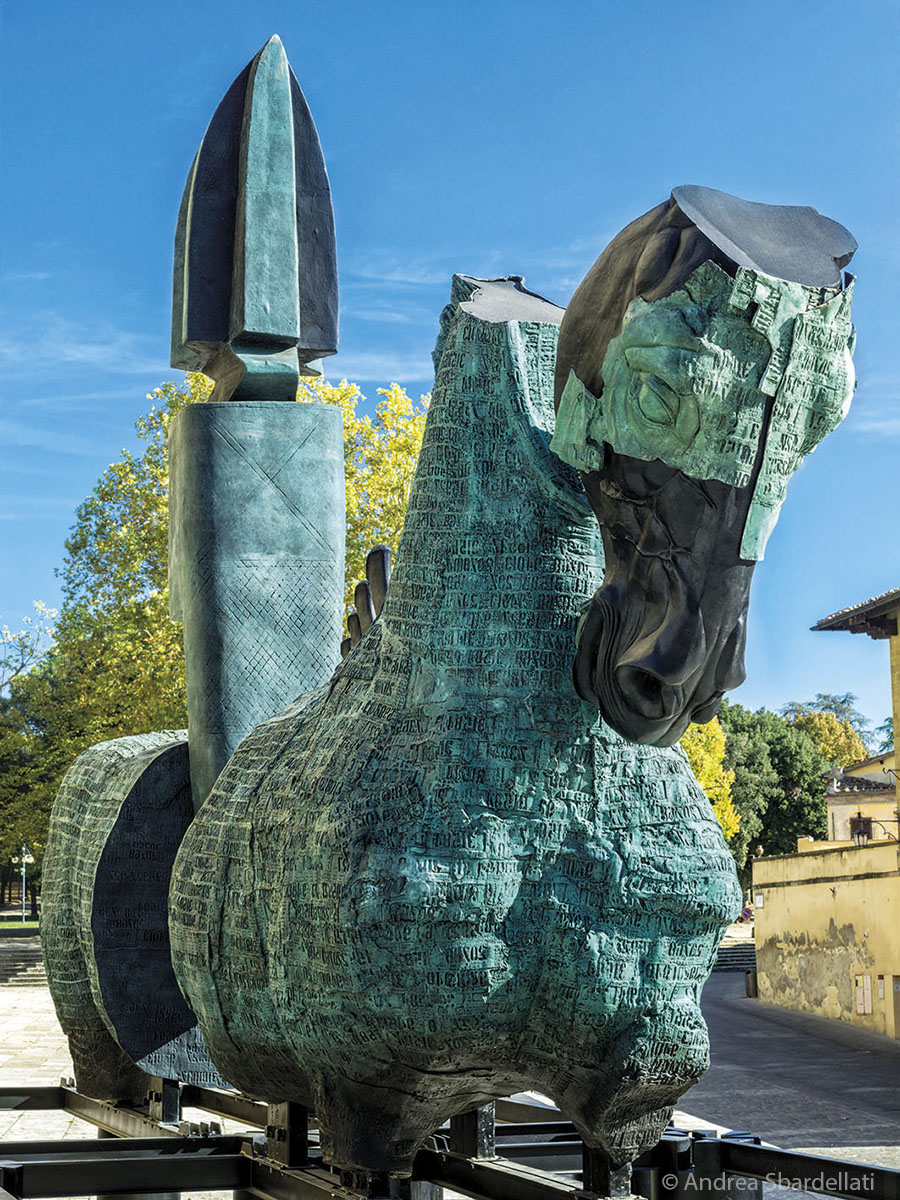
(135, 1165)
(145, 1154)
(742, 1158)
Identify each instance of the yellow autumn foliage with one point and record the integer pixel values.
(380, 456)
(836, 740)
(705, 747)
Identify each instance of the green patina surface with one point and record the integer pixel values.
(689, 379)
(441, 879)
(265, 301)
(120, 815)
(255, 286)
(256, 563)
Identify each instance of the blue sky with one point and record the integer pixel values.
(489, 137)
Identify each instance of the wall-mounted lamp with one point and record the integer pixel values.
(860, 829)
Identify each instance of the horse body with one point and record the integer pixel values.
(441, 878)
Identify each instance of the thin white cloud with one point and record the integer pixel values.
(29, 501)
(90, 401)
(16, 433)
(387, 316)
(391, 368)
(882, 426)
(404, 274)
(35, 508)
(875, 410)
(24, 276)
(49, 339)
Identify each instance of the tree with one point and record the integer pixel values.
(843, 706)
(380, 456)
(755, 779)
(799, 808)
(22, 649)
(705, 748)
(779, 785)
(885, 735)
(837, 741)
(118, 659)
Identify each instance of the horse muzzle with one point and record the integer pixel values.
(651, 682)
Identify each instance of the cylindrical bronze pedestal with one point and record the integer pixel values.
(256, 558)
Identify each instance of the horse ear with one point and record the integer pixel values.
(378, 575)
(364, 607)
(368, 596)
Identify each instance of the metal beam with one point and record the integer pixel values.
(544, 1156)
(30, 1097)
(90, 1148)
(287, 1134)
(472, 1132)
(233, 1105)
(170, 1162)
(512, 1109)
(487, 1179)
(272, 1182)
(172, 1166)
(806, 1172)
(519, 1130)
(123, 1122)
(164, 1100)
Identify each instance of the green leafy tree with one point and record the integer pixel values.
(779, 785)
(20, 652)
(755, 779)
(115, 589)
(799, 807)
(884, 735)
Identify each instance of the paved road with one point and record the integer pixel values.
(798, 1081)
(33, 1050)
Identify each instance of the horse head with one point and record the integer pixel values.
(705, 353)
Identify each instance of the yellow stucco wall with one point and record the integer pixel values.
(829, 917)
(881, 807)
(878, 769)
(895, 686)
(808, 845)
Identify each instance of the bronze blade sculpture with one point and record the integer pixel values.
(256, 573)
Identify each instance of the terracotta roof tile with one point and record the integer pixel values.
(871, 616)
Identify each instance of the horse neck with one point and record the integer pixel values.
(494, 561)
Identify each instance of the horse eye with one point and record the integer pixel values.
(657, 404)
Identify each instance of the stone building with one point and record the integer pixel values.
(827, 919)
(827, 925)
(878, 618)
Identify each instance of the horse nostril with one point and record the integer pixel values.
(645, 692)
(648, 685)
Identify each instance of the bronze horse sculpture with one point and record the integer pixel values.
(463, 866)
(452, 880)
